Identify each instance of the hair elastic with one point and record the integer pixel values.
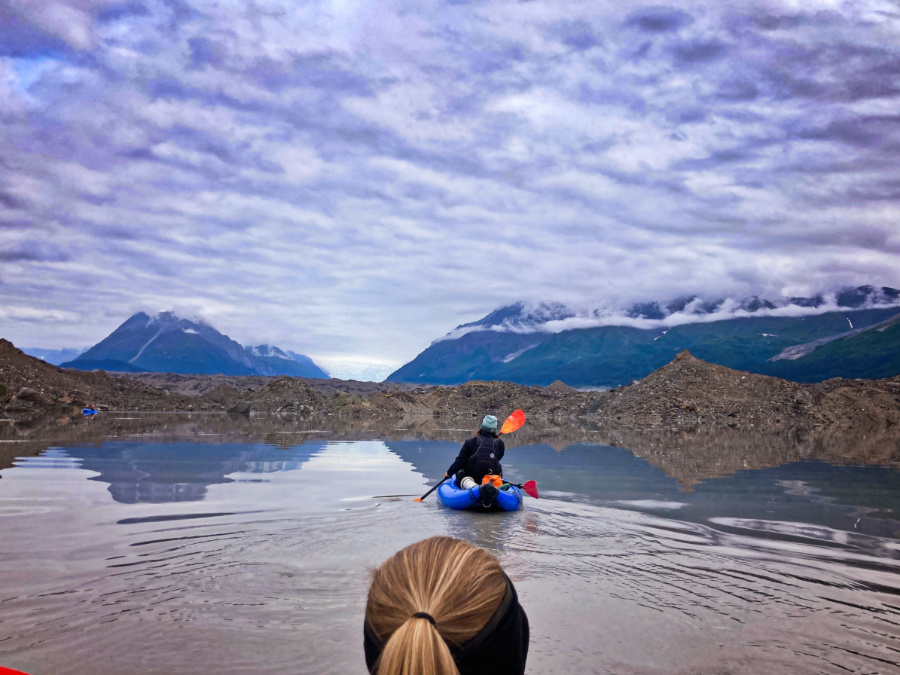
(425, 615)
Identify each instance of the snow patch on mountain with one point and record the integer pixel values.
(268, 351)
(515, 355)
(146, 344)
(173, 320)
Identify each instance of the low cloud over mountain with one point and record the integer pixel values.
(526, 318)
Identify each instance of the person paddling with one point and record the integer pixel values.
(479, 456)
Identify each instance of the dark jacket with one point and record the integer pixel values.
(479, 456)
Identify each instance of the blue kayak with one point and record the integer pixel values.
(89, 411)
(508, 497)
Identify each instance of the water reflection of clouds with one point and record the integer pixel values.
(814, 541)
(355, 456)
(652, 504)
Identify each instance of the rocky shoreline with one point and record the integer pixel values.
(686, 393)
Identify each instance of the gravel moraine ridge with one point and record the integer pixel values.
(686, 393)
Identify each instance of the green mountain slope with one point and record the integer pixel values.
(616, 355)
(871, 354)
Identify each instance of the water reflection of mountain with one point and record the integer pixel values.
(181, 471)
(689, 456)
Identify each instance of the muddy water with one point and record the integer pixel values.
(194, 550)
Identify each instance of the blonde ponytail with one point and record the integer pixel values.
(459, 585)
(416, 648)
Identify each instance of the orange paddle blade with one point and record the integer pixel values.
(513, 422)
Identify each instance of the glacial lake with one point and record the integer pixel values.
(148, 544)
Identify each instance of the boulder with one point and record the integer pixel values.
(33, 396)
(240, 408)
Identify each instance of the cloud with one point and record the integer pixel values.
(699, 51)
(29, 251)
(691, 311)
(70, 21)
(659, 19)
(354, 179)
(578, 35)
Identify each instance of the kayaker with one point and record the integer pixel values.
(479, 456)
(444, 607)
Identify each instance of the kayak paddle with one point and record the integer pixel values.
(418, 499)
(530, 487)
(513, 422)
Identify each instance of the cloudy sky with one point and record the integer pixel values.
(352, 180)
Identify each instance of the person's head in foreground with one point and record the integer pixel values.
(441, 607)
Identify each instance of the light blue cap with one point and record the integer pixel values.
(489, 423)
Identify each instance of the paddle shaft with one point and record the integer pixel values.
(429, 492)
(530, 488)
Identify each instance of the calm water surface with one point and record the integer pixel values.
(195, 552)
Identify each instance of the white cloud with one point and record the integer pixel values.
(692, 313)
(356, 178)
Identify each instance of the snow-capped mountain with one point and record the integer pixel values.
(543, 342)
(166, 342)
(287, 363)
(53, 356)
(554, 317)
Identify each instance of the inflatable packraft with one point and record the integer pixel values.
(480, 498)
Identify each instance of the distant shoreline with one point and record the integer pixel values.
(686, 393)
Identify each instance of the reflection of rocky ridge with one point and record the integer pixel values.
(690, 456)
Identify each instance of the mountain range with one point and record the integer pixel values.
(53, 356)
(854, 333)
(166, 343)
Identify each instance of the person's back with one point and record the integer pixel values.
(480, 455)
(442, 607)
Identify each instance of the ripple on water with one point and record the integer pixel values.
(264, 568)
(638, 593)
